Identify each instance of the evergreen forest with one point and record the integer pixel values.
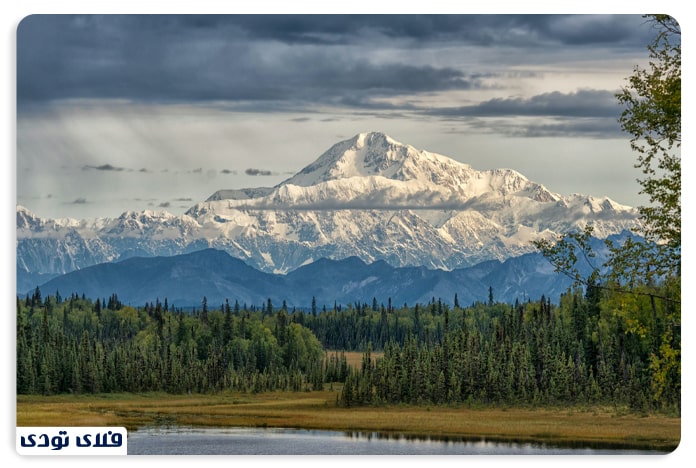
(597, 347)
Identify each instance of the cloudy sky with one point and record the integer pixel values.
(135, 112)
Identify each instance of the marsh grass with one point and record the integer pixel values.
(317, 410)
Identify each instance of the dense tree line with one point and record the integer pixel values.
(594, 348)
(82, 346)
(597, 347)
(352, 327)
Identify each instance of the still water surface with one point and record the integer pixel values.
(267, 441)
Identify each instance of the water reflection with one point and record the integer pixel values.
(177, 440)
(494, 442)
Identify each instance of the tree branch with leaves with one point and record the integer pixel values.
(652, 116)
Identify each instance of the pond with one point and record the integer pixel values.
(278, 441)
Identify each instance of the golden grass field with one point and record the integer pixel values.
(318, 410)
(354, 358)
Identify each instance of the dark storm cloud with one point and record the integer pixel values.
(584, 103)
(246, 58)
(590, 29)
(469, 29)
(257, 172)
(191, 59)
(597, 128)
(104, 167)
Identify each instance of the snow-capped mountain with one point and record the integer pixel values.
(371, 170)
(369, 196)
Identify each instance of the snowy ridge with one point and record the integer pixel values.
(370, 197)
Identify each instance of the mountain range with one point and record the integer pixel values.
(369, 197)
(185, 279)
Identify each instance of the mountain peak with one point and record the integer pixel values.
(374, 154)
(374, 139)
(25, 218)
(373, 170)
(365, 154)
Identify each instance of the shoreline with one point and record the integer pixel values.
(562, 426)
